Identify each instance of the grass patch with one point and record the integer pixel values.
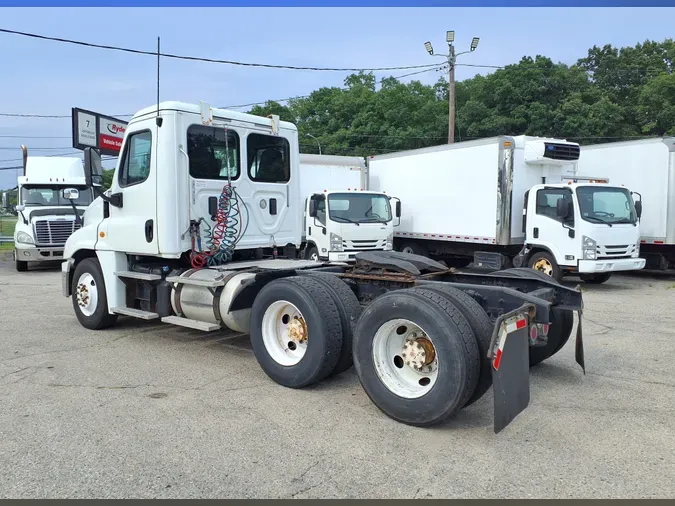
(7, 225)
(6, 246)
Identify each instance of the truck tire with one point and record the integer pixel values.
(312, 253)
(295, 332)
(543, 261)
(349, 308)
(561, 325)
(414, 248)
(21, 266)
(90, 301)
(388, 363)
(596, 279)
(481, 325)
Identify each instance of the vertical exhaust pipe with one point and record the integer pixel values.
(25, 158)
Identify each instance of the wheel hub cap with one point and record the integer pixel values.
(297, 330)
(544, 266)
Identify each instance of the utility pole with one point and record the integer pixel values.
(452, 58)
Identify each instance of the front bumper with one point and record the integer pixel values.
(65, 277)
(346, 256)
(28, 253)
(623, 264)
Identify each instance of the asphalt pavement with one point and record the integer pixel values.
(147, 410)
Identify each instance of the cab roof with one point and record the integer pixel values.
(217, 113)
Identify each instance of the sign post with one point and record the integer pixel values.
(94, 130)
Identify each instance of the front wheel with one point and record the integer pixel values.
(89, 298)
(21, 266)
(312, 253)
(543, 261)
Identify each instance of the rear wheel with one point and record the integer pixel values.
(414, 248)
(349, 308)
(596, 279)
(414, 357)
(481, 326)
(560, 326)
(295, 332)
(89, 296)
(543, 261)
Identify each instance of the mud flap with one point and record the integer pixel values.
(579, 346)
(509, 354)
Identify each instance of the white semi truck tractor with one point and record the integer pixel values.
(52, 199)
(507, 201)
(201, 229)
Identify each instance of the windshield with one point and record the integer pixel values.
(358, 208)
(606, 205)
(34, 196)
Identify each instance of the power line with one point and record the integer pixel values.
(33, 137)
(207, 60)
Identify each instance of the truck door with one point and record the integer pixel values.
(272, 219)
(132, 228)
(545, 228)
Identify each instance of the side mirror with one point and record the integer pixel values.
(20, 208)
(312, 207)
(562, 208)
(638, 208)
(93, 172)
(398, 208)
(71, 193)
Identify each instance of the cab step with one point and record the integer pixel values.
(143, 276)
(195, 282)
(136, 313)
(191, 324)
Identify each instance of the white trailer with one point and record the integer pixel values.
(506, 200)
(200, 195)
(341, 219)
(646, 166)
(52, 198)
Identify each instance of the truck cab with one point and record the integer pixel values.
(52, 198)
(584, 227)
(339, 224)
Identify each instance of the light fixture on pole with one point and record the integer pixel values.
(452, 58)
(317, 141)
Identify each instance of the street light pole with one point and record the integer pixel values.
(451, 58)
(317, 141)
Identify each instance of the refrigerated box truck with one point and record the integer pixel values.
(341, 218)
(506, 201)
(646, 166)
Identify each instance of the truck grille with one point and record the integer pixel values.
(608, 252)
(556, 151)
(363, 245)
(54, 232)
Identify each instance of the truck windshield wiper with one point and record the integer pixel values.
(373, 220)
(625, 220)
(345, 219)
(599, 219)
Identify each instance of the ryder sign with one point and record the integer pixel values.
(94, 130)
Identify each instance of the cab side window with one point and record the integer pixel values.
(321, 211)
(135, 167)
(547, 201)
(268, 158)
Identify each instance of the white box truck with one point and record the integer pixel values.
(52, 198)
(507, 201)
(341, 219)
(646, 166)
(425, 341)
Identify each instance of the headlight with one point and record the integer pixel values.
(24, 238)
(390, 243)
(589, 247)
(637, 250)
(335, 242)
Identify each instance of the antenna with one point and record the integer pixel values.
(158, 120)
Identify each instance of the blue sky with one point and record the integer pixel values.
(41, 77)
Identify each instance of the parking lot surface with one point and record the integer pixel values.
(151, 410)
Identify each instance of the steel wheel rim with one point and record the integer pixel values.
(284, 333)
(396, 371)
(86, 294)
(543, 265)
(408, 250)
(314, 257)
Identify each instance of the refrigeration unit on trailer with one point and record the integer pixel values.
(201, 227)
(647, 167)
(341, 219)
(508, 201)
(52, 198)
